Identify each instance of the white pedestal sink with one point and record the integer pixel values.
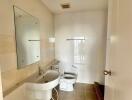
(42, 90)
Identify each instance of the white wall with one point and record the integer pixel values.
(92, 26)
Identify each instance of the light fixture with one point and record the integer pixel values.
(52, 39)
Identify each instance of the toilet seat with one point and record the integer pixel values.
(68, 79)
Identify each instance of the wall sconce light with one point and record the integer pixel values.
(52, 40)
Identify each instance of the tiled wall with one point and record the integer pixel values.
(17, 94)
(8, 61)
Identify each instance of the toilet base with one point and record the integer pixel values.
(66, 85)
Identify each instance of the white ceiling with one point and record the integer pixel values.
(76, 5)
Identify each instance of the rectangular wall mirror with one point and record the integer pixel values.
(27, 30)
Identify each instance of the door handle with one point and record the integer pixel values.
(106, 72)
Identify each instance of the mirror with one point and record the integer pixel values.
(27, 30)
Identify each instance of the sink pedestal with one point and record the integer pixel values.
(42, 90)
(39, 95)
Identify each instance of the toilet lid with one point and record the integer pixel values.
(69, 75)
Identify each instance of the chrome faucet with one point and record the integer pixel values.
(40, 71)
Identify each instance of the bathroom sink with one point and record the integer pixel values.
(49, 80)
(42, 89)
(49, 77)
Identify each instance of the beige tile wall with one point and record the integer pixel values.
(8, 61)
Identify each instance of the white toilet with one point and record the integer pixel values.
(68, 80)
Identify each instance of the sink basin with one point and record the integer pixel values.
(42, 89)
(50, 76)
